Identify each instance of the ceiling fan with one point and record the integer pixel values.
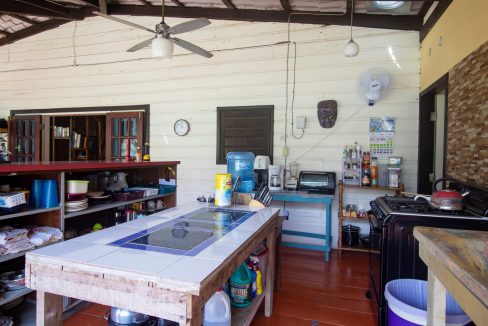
(163, 40)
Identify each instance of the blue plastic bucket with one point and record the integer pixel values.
(407, 304)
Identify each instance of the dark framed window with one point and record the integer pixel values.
(245, 129)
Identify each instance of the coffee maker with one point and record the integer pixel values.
(261, 165)
(275, 180)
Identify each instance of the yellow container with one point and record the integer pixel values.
(223, 189)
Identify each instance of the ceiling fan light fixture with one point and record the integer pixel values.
(388, 5)
(162, 48)
(351, 49)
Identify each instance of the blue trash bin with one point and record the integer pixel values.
(407, 304)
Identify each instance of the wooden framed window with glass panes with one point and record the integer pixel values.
(124, 135)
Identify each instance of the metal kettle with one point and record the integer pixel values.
(446, 199)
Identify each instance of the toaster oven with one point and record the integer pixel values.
(317, 182)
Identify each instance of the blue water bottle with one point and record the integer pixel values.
(241, 164)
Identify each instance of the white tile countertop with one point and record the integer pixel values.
(97, 251)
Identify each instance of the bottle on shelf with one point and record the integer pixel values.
(147, 156)
(366, 180)
(139, 154)
(374, 171)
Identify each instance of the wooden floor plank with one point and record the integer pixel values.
(329, 293)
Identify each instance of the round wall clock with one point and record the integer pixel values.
(182, 127)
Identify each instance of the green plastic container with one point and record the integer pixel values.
(240, 287)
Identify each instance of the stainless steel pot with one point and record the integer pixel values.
(127, 317)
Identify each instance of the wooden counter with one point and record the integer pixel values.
(21, 167)
(457, 261)
(172, 286)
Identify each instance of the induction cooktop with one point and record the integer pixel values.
(187, 234)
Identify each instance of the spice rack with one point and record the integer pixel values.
(341, 217)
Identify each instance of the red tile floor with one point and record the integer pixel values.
(311, 290)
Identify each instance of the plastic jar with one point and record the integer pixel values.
(241, 164)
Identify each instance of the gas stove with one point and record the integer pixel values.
(410, 206)
(392, 221)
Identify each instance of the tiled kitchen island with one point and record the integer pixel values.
(159, 282)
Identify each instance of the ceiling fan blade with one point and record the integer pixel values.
(124, 22)
(191, 47)
(189, 26)
(141, 45)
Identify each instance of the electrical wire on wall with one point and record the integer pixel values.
(75, 63)
(293, 85)
(294, 81)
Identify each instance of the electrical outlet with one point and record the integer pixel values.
(285, 151)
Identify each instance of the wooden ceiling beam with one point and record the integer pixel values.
(24, 19)
(229, 4)
(102, 4)
(362, 20)
(434, 17)
(178, 3)
(32, 30)
(286, 5)
(425, 7)
(145, 3)
(21, 8)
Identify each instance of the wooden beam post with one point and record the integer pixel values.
(49, 309)
(286, 5)
(270, 270)
(229, 4)
(145, 3)
(102, 4)
(178, 3)
(436, 305)
(22, 18)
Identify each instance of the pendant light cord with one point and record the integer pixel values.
(352, 14)
(162, 11)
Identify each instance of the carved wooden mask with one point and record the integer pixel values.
(327, 113)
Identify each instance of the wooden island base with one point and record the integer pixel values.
(164, 298)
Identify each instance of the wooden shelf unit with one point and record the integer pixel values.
(22, 174)
(63, 147)
(398, 191)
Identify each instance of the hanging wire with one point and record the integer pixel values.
(352, 14)
(293, 95)
(75, 61)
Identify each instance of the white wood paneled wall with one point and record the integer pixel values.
(85, 64)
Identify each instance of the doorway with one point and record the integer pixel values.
(432, 134)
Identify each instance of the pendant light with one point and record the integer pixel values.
(161, 46)
(352, 48)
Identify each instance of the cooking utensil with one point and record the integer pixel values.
(124, 316)
(350, 235)
(12, 281)
(446, 199)
(77, 186)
